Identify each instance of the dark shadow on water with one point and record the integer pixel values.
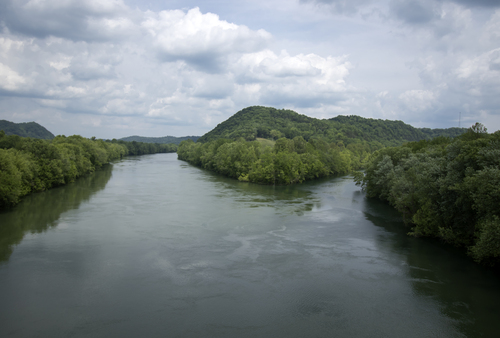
(255, 195)
(38, 212)
(466, 292)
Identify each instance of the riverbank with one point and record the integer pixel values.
(31, 165)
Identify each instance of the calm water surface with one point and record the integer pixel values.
(153, 247)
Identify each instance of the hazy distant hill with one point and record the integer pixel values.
(268, 122)
(25, 129)
(164, 139)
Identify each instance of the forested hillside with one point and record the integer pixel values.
(445, 188)
(164, 139)
(305, 148)
(26, 129)
(394, 131)
(29, 164)
(266, 122)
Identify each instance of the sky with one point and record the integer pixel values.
(116, 68)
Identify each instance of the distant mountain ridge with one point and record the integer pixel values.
(267, 122)
(164, 139)
(26, 129)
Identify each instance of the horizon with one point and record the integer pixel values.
(192, 135)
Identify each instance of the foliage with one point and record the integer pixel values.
(445, 188)
(30, 165)
(285, 162)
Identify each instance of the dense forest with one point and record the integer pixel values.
(445, 188)
(392, 132)
(284, 161)
(26, 129)
(369, 134)
(164, 139)
(29, 164)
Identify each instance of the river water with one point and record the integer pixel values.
(154, 247)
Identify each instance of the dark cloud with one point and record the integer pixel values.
(413, 11)
(478, 3)
(210, 63)
(89, 73)
(341, 6)
(74, 21)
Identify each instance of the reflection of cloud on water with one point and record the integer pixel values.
(246, 250)
(62, 225)
(332, 214)
(275, 232)
(294, 199)
(170, 271)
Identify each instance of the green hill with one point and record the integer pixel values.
(26, 129)
(271, 123)
(164, 139)
(389, 131)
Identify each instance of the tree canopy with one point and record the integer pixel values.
(445, 188)
(284, 162)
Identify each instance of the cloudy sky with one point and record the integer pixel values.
(115, 68)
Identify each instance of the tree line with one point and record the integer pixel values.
(281, 162)
(30, 165)
(444, 188)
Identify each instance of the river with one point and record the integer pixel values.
(154, 247)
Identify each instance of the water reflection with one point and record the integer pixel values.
(288, 199)
(466, 292)
(38, 212)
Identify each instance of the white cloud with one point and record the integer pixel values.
(418, 100)
(9, 79)
(298, 81)
(479, 78)
(286, 65)
(200, 39)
